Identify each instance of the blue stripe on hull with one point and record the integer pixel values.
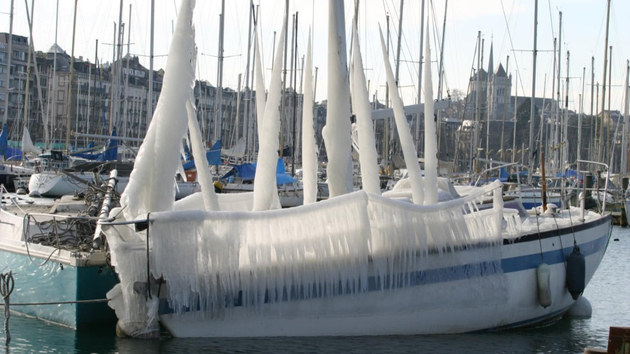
(40, 281)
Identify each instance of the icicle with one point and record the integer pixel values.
(260, 88)
(265, 187)
(430, 141)
(406, 142)
(151, 184)
(361, 105)
(309, 147)
(336, 133)
(210, 198)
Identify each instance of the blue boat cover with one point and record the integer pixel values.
(213, 156)
(4, 141)
(247, 171)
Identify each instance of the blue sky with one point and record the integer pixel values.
(583, 35)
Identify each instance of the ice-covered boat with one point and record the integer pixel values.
(358, 263)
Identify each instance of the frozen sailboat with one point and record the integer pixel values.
(356, 264)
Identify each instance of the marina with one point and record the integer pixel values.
(269, 222)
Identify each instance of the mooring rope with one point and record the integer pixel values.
(59, 302)
(6, 288)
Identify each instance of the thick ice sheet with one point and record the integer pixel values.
(404, 133)
(151, 184)
(309, 147)
(337, 131)
(321, 249)
(265, 187)
(430, 132)
(363, 112)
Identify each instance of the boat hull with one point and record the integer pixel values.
(38, 281)
(443, 299)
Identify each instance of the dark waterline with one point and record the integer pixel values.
(608, 293)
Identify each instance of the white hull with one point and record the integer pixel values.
(54, 185)
(470, 304)
(486, 281)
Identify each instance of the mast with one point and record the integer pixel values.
(150, 94)
(533, 106)
(626, 125)
(218, 106)
(607, 151)
(400, 19)
(593, 118)
(556, 155)
(473, 155)
(505, 105)
(599, 152)
(74, 27)
(441, 78)
(417, 135)
(515, 115)
(284, 80)
(565, 123)
(294, 135)
(5, 118)
(580, 119)
(28, 66)
(554, 107)
(248, 88)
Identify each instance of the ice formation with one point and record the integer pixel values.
(430, 140)
(151, 184)
(309, 147)
(261, 97)
(336, 133)
(203, 169)
(363, 113)
(350, 244)
(265, 187)
(406, 141)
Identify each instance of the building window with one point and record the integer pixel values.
(60, 95)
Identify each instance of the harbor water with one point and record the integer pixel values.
(608, 293)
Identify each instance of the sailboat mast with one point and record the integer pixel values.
(28, 66)
(581, 118)
(505, 105)
(5, 118)
(218, 106)
(593, 119)
(126, 96)
(417, 135)
(599, 151)
(626, 124)
(248, 88)
(473, 154)
(556, 155)
(532, 106)
(74, 28)
(565, 123)
(150, 94)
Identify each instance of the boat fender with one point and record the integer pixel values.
(576, 273)
(581, 308)
(543, 276)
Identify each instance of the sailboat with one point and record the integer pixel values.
(356, 264)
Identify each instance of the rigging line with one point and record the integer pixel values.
(511, 43)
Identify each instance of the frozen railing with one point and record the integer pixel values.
(212, 260)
